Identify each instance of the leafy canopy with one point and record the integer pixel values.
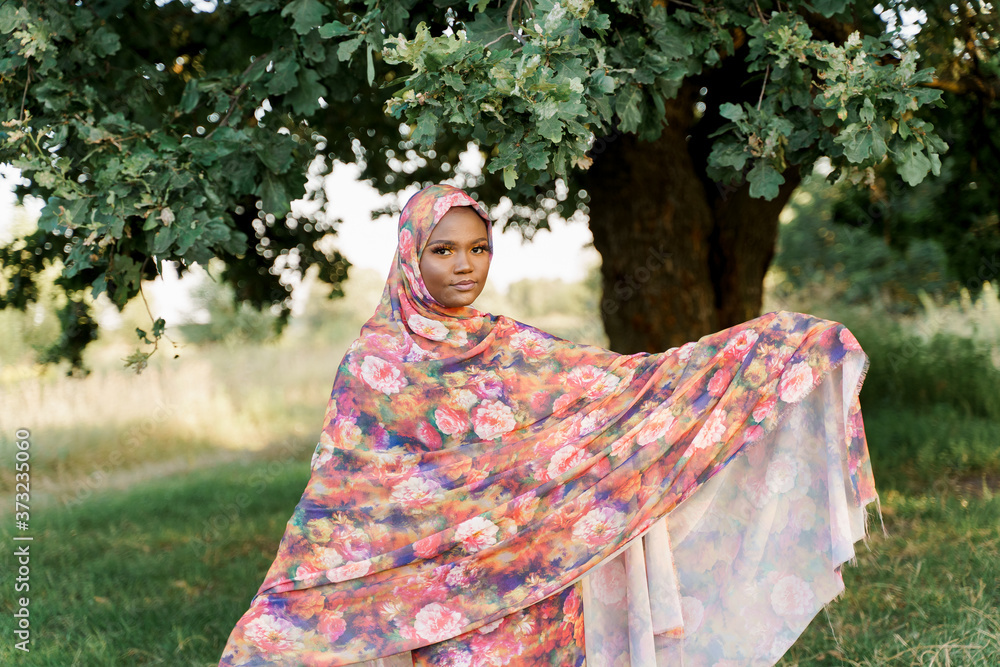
(161, 133)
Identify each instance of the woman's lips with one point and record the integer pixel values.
(465, 285)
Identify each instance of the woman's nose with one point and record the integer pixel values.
(463, 263)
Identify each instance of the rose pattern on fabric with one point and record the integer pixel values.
(599, 526)
(492, 419)
(567, 457)
(713, 430)
(451, 422)
(382, 375)
(348, 571)
(416, 492)
(530, 344)
(426, 327)
(791, 596)
(796, 383)
(436, 622)
(608, 583)
(332, 626)
(439, 501)
(272, 634)
(477, 534)
(780, 476)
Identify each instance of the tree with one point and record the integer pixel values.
(190, 146)
(959, 211)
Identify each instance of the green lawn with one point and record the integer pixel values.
(928, 594)
(159, 575)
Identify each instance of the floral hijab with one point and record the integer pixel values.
(470, 465)
(407, 309)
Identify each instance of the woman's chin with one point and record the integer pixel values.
(459, 303)
(456, 298)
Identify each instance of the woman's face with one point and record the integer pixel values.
(456, 258)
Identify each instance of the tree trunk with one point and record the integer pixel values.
(681, 256)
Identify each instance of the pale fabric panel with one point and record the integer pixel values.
(745, 562)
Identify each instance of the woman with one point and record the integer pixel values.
(484, 493)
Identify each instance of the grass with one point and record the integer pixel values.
(929, 594)
(113, 429)
(157, 575)
(160, 574)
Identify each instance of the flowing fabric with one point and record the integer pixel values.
(485, 493)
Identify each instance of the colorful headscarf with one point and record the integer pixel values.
(471, 465)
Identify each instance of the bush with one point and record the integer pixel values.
(931, 408)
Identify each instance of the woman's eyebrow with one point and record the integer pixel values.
(453, 243)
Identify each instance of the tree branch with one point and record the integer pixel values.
(510, 21)
(235, 96)
(506, 34)
(763, 86)
(24, 95)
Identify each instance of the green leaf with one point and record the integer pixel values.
(100, 285)
(551, 129)
(75, 211)
(283, 77)
(348, 47)
(627, 108)
(189, 100)
(509, 177)
(912, 164)
(733, 112)
(426, 130)
(732, 155)
(488, 27)
(104, 42)
(255, 7)
(880, 134)
(371, 66)
(395, 16)
(276, 153)
(857, 140)
(163, 239)
(12, 16)
(305, 98)
(867, 111)
(535, 155)
(273, 196)
(308, 14)
(314, 48)
(455, 81)
(764, 180)
(828, 8)
(333, 29)
(125, 277)
(602, 82)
